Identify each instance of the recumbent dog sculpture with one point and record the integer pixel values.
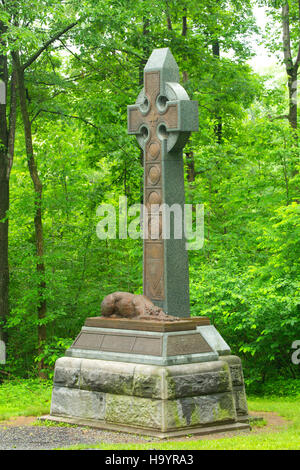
(139, 307)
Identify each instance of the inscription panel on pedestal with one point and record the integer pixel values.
(140, 343)
(187, 344)
(119, 343)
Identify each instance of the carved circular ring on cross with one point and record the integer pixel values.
(172, 93)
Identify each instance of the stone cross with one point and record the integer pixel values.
(162, 120)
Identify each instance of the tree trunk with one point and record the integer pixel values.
(291, 67)
(292, 85)
(4, 195)
(184, 31)
(190, 164)
(218, 128)
(7, 140)
(142, 64)
(38, 224)
(169, 21)
(145, 51)
(190, 161)
(4, 268)
(184, 24)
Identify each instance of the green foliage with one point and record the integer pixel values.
(51, 424)
(51, 352)
(279, 387)
(29, 397)
(246, 277)
(258, 423)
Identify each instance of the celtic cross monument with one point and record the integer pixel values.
(152, 373)
(162, 120)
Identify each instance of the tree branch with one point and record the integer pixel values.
(169, 21)
(274, 118)
(184, 23)
(298, 55)
(69, 50)
(297, 63)
(47, 44)
(67, 115)
(127, 51)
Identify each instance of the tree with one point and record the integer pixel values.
(73, 90)
(12, 28)
(287, 14)
(7, 137)
(291, 65)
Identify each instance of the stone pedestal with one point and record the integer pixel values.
(156, 392)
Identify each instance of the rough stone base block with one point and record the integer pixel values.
(238, 387)
(199, 431)
(150, 399)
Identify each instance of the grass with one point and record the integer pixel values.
(259, 423)
(287, 438)
(50, 424)
(32, 398)
(25, 398)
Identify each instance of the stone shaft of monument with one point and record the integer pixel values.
(162, 120)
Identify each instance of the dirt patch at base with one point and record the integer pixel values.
(274, 422)
(19, 421)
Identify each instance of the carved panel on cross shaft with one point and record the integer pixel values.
(153, 247)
